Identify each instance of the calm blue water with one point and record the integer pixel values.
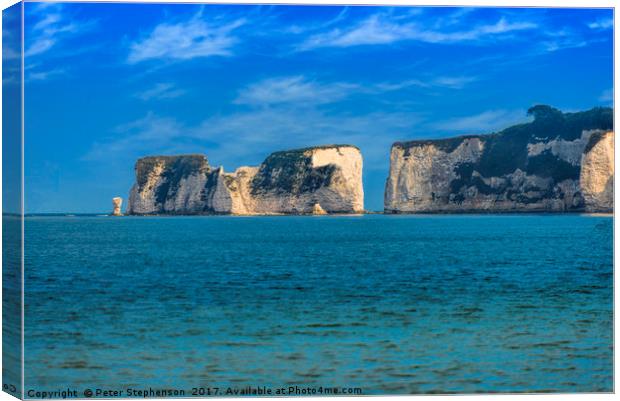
(390, 304)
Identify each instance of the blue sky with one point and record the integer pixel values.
(108, 83)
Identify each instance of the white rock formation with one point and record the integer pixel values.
(420, 175)
(117, 202)
(156, 176)
(318, 210)
(597, 174)
(286, 182)
(329, 175)
(453, 176)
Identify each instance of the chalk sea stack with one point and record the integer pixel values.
(117, 202)
(287, 182)
(559, 162)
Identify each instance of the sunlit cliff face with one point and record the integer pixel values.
(286, 182)
(557, 163)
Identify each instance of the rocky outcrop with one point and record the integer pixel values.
(597, 173)
(288, 182)
(165, 184)
(558, 162)
(318, 210)
(117, 202)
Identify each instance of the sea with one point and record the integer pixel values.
(369, 304)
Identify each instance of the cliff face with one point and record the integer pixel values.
(597, 173)
(165, 184)
(558, 162)
(286, 182)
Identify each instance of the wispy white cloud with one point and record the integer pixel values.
(396, 86)
(51, 26)
(48, 21)
(602, 24)
(486, 121)
(36, 71)
(308, 27)
(186, 40)
(41, 45)
(44, 75)
(379, 29)
(561, 44)
(446, 82)
(570, 42)
(454, 18)
(161, 91)
(294, 118)
(273, 114)
(574, 36)
(151, 133)
(454, 82)
(248, 136)
(563, 39)
(249, 133)
(374, 30)
(307, 92)
(294, 89)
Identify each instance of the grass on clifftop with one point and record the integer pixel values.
(548, 123)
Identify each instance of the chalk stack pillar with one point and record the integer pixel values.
(116, 203)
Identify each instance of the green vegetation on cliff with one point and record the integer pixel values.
(175, 169)
(506, 151)
(291, 172)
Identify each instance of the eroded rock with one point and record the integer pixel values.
(287, 182)
(318, 210)
(117, 202)
(558, 162)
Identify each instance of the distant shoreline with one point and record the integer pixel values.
(464, 213)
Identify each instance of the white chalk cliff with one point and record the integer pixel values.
(117, 202)
(557, 163)
(287, 182)
(597, 173)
